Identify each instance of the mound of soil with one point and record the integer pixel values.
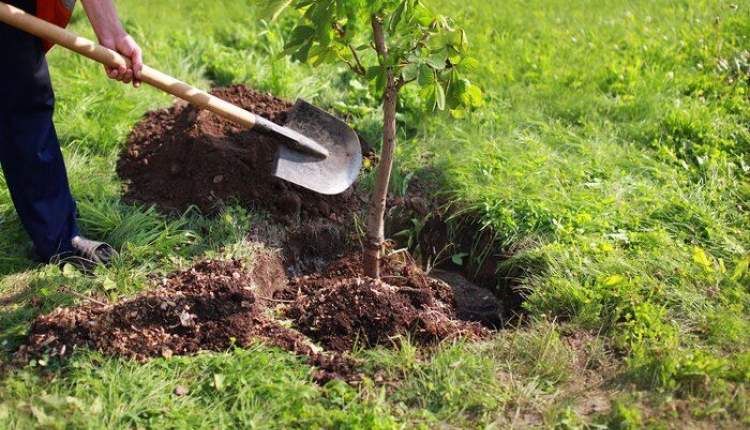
(217, 304)
(341, 308)
(183, 156)
(210, 306)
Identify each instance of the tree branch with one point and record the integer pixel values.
(379, 37)
(400, 82)
(64, 289)
(361, 69)
(353, 67)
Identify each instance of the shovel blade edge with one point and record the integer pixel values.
(331, 175)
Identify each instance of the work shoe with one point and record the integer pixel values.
(97, 252)
(87, 254)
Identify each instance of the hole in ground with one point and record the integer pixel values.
(482, 293)
(455, 249)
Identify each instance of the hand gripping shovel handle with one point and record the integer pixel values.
(19, 19)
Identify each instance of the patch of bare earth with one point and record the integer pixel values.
(180, 157)
(211, 306)
(341, 308)
(216, 305)
(183, 156)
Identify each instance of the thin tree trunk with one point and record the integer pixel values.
(376, 211)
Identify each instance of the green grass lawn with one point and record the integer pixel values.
(609, 165)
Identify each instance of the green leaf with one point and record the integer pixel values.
(428, 95)
(440, 41)
(414, 58)
(702, 259)
(271, 9)
(109, 285)
(374, 71)
(422, 15)
(410, 72)
(458, 259)
(473, 96)
(303, 52)
(437, 60)
(300, 35)
(319, 54)
(396, 16)
(455, 59)
(439, 96)
(456, 90)
(320, 12)
(463, 93)
(380, 82)
(426, 76)
(460, 41)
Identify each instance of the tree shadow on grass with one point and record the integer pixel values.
(15, 246)
(31, 294)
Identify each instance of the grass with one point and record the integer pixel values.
(609, 164)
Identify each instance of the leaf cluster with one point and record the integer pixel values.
(421, 47)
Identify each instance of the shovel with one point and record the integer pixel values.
(320, 152)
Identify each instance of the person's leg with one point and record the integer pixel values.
(36, 177)
(29, 150)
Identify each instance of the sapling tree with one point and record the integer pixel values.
(390, 44)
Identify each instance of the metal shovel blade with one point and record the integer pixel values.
(330, 175)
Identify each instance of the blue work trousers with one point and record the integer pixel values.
(29, 149)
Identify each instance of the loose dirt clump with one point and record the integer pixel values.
(201, 308)
(341, 308)
(216, 305)
(210, 306)
(184, 156)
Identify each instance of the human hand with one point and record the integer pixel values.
(127, 47)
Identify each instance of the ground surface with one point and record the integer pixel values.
(608, 175)
(216, 305)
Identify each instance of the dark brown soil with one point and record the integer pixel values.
(210, 306)
(215, 305)
(473, 303)
(312, 246)
(341, 309)
(183, 156)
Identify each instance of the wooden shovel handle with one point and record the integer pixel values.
(17, 18)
